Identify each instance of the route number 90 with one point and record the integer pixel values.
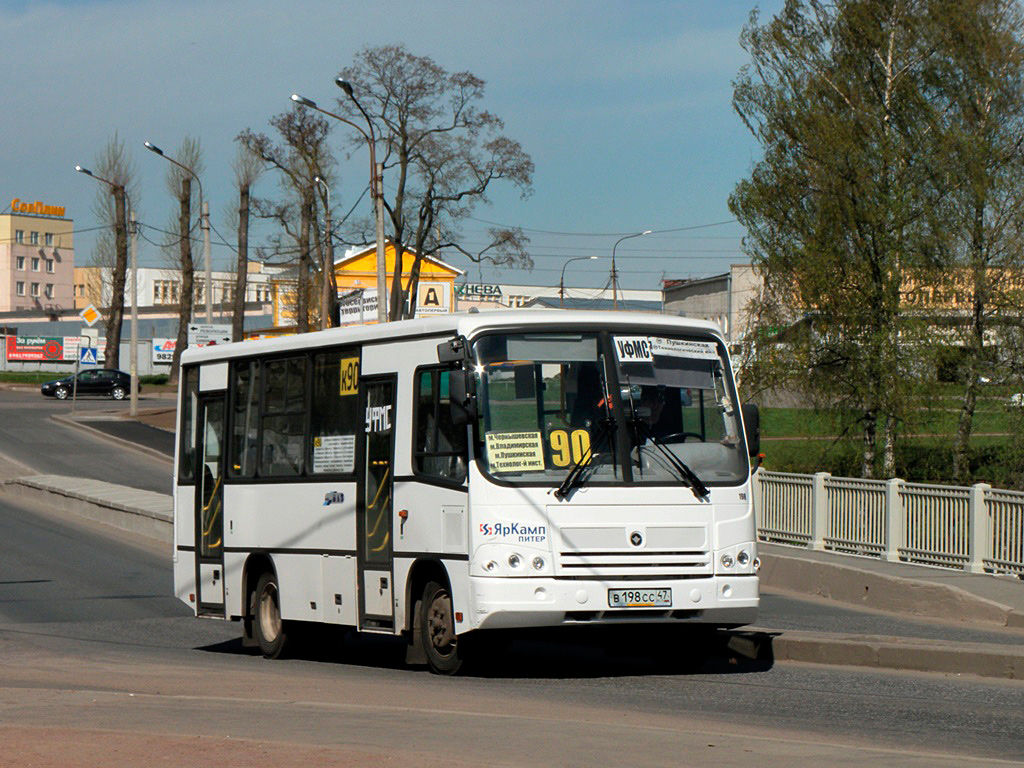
(568, 446)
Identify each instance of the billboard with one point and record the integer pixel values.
(42, 348)
(163, 350)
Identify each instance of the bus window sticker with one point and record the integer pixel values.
(349, 376)
(633, 349)
(701, 350)
(515, 451)
(569, 447)
(334, 453)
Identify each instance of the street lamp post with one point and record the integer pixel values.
(615, 274)
(204, 220)
(561, 282)
(328, 266)
(133, 351)
(376, 187)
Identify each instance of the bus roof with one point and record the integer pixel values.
(463, 323)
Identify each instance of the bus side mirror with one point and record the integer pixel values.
(752, 428)
(463, 402)
(453, 350)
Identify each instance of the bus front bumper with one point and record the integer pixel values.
(503, 603)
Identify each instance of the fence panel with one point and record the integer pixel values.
(936, 524)
(855, 516)
(1006, 531)
(784, 513)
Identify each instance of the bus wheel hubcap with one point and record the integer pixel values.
(439, 622)
(270, 620)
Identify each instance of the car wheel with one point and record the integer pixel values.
(60, 393)
(117, 393)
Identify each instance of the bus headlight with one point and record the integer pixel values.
(743, 557)
(538, 563)
(490, 566)
(727, 560)
(514, 560)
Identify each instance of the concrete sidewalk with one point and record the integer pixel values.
(903, 591)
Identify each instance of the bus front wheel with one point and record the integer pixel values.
(437, 628)
(268, 627)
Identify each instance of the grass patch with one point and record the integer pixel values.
(31, 377)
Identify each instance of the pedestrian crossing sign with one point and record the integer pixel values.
(87, 356)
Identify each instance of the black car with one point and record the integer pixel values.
(99, 381)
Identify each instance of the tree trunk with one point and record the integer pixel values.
(975, 348)
(115, 313)
(302, 286)
(889, 449)
(187, 274)
(397, 308)
(241, 274)
(867, 468)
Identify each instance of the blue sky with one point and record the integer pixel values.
(625, 108)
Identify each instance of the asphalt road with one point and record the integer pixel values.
(29, 435)
(91, 640)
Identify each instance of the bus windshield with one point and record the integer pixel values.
(631, 408)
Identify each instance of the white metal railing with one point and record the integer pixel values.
(977, 528)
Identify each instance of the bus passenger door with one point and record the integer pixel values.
(210, 444)
(374, 506)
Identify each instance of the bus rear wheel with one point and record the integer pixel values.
(268, 627)
(437, 628)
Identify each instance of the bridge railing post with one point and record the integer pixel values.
(978, 538)
(819, 510)
(894, 518)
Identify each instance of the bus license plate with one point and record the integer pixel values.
(652, 597)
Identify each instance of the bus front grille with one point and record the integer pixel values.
(645, 564)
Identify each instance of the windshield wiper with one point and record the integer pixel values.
(575, 476)
(696, 484)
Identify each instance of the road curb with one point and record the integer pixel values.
(892, 594)
(894, 653)
(156, 522)
(76, 424)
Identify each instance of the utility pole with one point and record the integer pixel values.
(206, 258)
(133, 352)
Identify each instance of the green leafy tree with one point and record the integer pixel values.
(834, 211)
(979, 90)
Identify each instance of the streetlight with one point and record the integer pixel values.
(328, 266)
(133, 351)
(615, 274)
(204, 218)
(376, 187)
(561, 282)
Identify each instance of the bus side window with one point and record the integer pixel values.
(284, 416)
(334, 417)
(440, 448)
(246, 406)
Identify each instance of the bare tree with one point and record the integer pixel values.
(441, 153)
(179, 183)
(300, 157)
(248, 168)
(114, 165)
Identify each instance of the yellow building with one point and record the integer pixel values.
(356, 275)
(37, 257)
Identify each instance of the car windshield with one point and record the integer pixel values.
(630, 407)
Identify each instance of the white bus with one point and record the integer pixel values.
(437, 478)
